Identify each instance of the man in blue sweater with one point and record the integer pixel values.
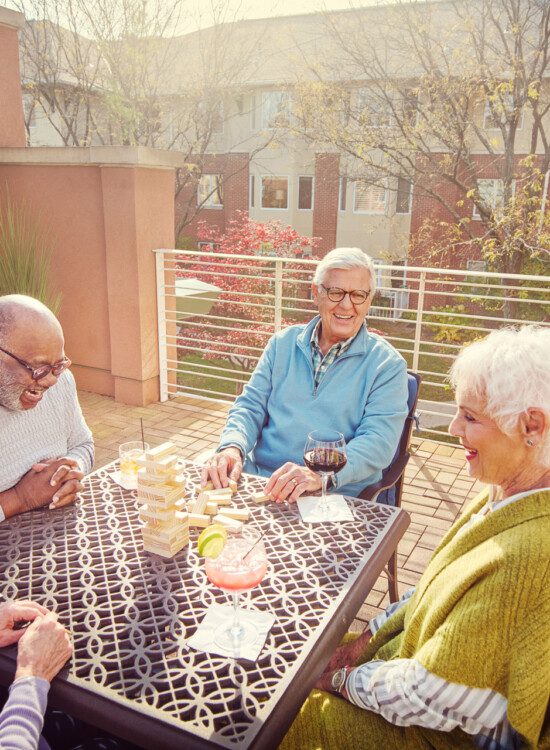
(331, 373)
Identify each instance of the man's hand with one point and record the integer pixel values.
(17, 611)
(225, 465)
(53, 482)
(43, 648)
(291, 481)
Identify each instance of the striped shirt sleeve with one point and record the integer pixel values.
(22, 717)
(377, 622)
(406, 694)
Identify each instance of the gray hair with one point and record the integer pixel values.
(345, 258)
(510, 370)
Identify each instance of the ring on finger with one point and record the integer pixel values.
(294, 481)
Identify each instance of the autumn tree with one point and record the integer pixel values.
(114, 72)
(241, 321)
(452, 98)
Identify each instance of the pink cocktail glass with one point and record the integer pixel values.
(241, 565)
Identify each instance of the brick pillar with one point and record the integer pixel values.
(235, 190)
(12, 121)
(325, 210)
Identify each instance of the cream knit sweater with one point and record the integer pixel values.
(54, 427)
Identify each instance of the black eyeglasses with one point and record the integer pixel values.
(357, 296)
(37, 373)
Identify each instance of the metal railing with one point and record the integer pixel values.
(211, 338)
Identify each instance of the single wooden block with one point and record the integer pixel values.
(199, 520)
(160, 451)
(207, 486)
(231, 523)
(233, 485)
(260, 498)
(200, 503)
(220, 492)
(239, 514)
(211, 509)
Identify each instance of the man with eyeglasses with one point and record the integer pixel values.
(45, 445)
(330, 373)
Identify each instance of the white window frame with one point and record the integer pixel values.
(288, 191)
(475, 215)
(264, 121)
(409, 210)
(362, 95)
(211, 190)
(369, 213)
(312, 178)
(488, 123)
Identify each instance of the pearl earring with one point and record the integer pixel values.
(530, 443)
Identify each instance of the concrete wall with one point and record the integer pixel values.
(106, 209)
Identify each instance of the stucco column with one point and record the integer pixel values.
(138, 206)
(12, 121)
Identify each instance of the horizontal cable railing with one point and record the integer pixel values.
(216, 312)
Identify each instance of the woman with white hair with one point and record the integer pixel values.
(464, 659)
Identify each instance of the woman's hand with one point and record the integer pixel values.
(43, 648)
(348, 655)
(14, 612)
(291, 481)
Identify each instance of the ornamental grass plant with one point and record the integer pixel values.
(25, 255)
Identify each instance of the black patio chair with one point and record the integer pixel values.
(390, 488)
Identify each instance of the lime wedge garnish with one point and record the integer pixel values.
(212, 540)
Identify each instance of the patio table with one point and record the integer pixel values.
(130, 613)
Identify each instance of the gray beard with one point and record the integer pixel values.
(10, 393)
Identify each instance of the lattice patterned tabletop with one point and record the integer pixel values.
(130, 613)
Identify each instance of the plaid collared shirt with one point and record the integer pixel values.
(320, 363)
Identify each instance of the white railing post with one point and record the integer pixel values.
(278, 313)
(161, 318)
(418, 327)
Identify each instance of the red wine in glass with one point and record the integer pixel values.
(325, 454)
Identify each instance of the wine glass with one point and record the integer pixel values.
(240, 566)
(325, 453)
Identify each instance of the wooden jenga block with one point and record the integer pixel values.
(259, 498)
(220, 492)
(165, 550)
(239, 514)
(199, 520)
(160, 451)
(211, 509)
(233, 485)
(151, 514)
(207, 486)
(200, 503)
(231, 523)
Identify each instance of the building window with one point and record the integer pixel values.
(305, 193)
(209, 191)
(368, 199)
(403, 198)
(210, 116)
(499, 113)
(491, 193)
(252, 191)
(275, 192)
(342, 190)
(373, 112)
(275, 109)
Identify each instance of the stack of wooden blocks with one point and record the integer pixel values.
(160, 493)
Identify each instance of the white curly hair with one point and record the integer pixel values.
(510, 370)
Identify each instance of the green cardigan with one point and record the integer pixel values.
(480, 617)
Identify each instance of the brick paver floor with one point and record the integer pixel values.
(436, 482)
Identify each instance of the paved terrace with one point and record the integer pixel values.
(436, 486)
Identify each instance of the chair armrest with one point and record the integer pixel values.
(388, 480)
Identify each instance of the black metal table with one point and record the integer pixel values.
(130, 613)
